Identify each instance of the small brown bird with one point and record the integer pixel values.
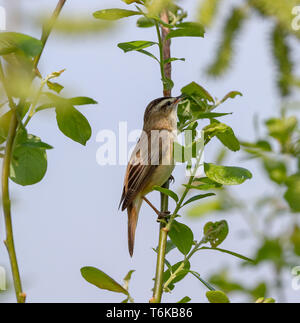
(151, 162)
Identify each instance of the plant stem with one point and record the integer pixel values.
(160, 264)
(181, 267)
(48, 28)
(6, 204)
(164, 50)
(167, 227)
(34, 103)
(9, 242)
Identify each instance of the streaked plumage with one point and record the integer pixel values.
(151, 162)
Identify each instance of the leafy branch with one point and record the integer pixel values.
(9, 242)
(198, 105)
(25, 158)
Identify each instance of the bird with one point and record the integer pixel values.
(151, 162)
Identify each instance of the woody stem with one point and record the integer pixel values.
(165, 54)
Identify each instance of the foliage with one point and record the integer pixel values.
(25, 154)
(278, 154)
(279, 13)
(197, 106)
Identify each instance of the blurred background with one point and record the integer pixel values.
(71, 218)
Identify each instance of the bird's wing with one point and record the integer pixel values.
(141, 166)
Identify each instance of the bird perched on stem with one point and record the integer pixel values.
(151, 163)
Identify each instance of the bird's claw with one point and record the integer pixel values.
(172, 179)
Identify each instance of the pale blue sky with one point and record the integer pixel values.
(71, 218)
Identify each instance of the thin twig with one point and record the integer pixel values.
(48, 28)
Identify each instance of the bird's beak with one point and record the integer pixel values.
(179, 98)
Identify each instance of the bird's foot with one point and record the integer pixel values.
(172, 179)
(163, 216)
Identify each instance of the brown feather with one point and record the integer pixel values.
(144, 169)
(133, 214)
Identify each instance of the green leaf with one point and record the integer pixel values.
(29, 160)
(82, 100)
(12, 42)
(224, 133)
(4, 125)
(293, 192)
(168, 83)
(276, 170)
(57, 101)
(55, 74)
(225, 51)
(260, 290)
(28, 166)
(210, 115)
(215, 232)
(231, 95)
(185, 299)
(229, 139)
(169, 246)
(208, 11)
(148, 54)
(114, 14)
(227, 175)
(197, 197)
(205, 283)
(237, 255)
(182, 236)
(55, 86)
(194, 89)
(282, 53)
(125, 301)
(127, 279)
(70, 121)
(282, 129)
(225, 283)
(101, 280)
(179, 276)
(270, 250)
(131, 1)
(173, 59)
(265, 300)
(295, 240)
(259, 145)
(205, 184)
(73, 124)
(166, 191)
(45, 107)
(135, 45)
(34, 142)
(184, 111)
(145, 22)
(187, 29)
(217, 297)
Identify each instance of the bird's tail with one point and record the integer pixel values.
(133, 213)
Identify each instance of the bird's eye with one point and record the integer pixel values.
(169, 103)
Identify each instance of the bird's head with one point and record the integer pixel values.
(161, 108)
